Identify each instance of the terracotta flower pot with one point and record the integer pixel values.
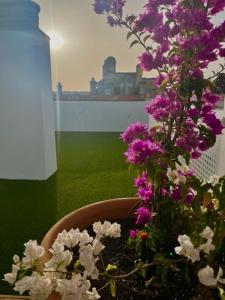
(81, 218)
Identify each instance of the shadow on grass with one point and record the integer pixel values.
(28, 210)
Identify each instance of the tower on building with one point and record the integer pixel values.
(93, 86)
(109, 67)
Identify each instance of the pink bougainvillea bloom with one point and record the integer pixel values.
(133, 233)
(214, 123)
(146, 61)
(196, 154)
(222, 52)
(217, 6)
(144, 215)
(176, 193)
(148, 20)
(190, 196)
(142, 180)
(140, 151)
(210, 98)
(134, 131)
(146, 193)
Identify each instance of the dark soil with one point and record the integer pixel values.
(134, 288)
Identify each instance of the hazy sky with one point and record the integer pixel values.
(88, 41)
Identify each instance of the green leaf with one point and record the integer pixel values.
(141, 34)
(146, 37)
(222, 294)
(77, 264)
(134, 43)
(113, 288)
(129, 35)
(111, 267)
(142, 270)
(130, 19)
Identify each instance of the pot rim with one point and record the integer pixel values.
(89, 214)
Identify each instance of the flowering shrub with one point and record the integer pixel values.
(179, 233)
(71, 279)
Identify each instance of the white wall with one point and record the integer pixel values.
(106, 116)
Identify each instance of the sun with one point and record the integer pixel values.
(56, 40)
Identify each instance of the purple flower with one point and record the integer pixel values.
(134, 131)
(183, 143)
(214, 123)
(222, 52)
(206, 108)
(133, 233)
(217, 6)
(218, 32)
(158, 80)
(191, 18)
(190, 195)
(109, 6)
(196, 73)
(140, 151)
(164, 192)
(176, 193)
(101, 6)
(159, 60)
(111, 21)
(149, 20)
(161, 107)
(204, 144)
(196, 154)
(177, 60)
(142, 180)
(144, 215)
(210, 98)
(146, 193)
(161, 34)
(146, 61)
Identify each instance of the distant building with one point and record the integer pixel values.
(114, 86)
(121, 83)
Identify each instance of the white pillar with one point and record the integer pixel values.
(27, 133)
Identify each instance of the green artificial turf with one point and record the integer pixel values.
(91, 167)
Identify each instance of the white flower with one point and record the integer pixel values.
(207, 247)
(85, 238)
(60, 258)
(32, 252)
(114, 230)
(69, 239)
(93, 295)
(41, 287)
(16, 259)
(74, 288)
(87, 260)
(11, 277)
(107, 229)
(97, 247)
(207, 233)
(206, 276)
(179, 176)
(186, 248)
(214, 180)
(23, 285)
(171, 175)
